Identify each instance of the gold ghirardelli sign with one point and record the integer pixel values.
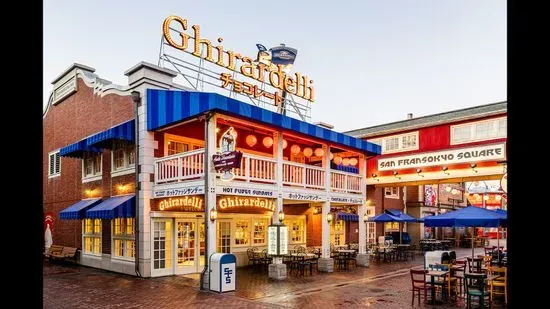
(184, 203)
(245, 202)
(296, 84)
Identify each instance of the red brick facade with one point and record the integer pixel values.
(76, 117)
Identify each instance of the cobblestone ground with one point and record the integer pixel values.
(379, 286)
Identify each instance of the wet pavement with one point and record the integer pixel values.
(382, 285)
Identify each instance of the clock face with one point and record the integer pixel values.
(504, 183)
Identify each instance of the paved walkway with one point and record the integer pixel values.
(381, 285)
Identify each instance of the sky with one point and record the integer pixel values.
(372, 62)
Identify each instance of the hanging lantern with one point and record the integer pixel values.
(319, 152)
(337, 160)
(448, 188)
(285, 143)
(476, 196)
(251, 140)
(486, 197)
(308, 152)
(331, 155)
(498, 197)
(295, 149)
(267, 141)
(353, 161)
(345, 161)
(454, 191)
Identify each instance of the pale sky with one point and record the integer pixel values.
(372, 61)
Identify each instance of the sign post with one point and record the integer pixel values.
(277, 246)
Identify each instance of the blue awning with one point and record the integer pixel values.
(78, 210)
(168, 107)
(122, 206)
(123, 131)
(77, 150)
(346, 216)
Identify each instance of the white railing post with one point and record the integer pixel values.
(247, 169)
(180, 173)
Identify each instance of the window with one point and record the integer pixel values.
(260, 230)
(391, 192)
(91, 165)
(176, 147)
(124, 238)
(398, 143)
(224, 237)
(92, 236)
(54, 166)
(479, 131)
(296, 230)
(174, 144)
(391, 226)
(242, 232)
(123, 156)
(371, 227)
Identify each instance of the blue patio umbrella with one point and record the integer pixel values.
(470, 216)
(404, 217)
(386, 217)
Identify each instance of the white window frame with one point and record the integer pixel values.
(391, 192)
(400, 148)
(248, 222)
(371, 211)
(288, 222)
(191, 142)
(124, 237)
(94, 176)
(259, 220)
(472, 127)
(55, 154)
(128, 168)
(93, 235)
(340, 233)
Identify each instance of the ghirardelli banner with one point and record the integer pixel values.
(226, 161)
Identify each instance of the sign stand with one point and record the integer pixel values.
(277, 246)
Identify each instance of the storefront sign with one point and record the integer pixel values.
(245, 202)
(451, 156)
(272, 72)
(245, 191)
(187, 203)
(192, 190)
(227, 158)
(346, 200)
(504, 183)
(277, 240)
(305, 197)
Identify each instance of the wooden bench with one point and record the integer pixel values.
(67, 253)
(54, 249)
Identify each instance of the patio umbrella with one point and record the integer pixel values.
(470, 216)
(504, 214)
(404, 218)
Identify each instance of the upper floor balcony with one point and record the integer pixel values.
(189, 166)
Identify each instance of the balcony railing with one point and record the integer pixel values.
(190, 165)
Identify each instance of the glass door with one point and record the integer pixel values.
(162, 247)
(189, 245)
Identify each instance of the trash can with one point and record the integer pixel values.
(222, 275)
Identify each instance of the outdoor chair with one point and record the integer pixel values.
(419, 284)
(476, 288)
(475, 265)
(498, 285)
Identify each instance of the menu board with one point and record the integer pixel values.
(272, 240)
(283, 239)
(277, 240)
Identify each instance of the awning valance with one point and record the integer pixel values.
(78, 210)
(77, 150)
(346, 216)
(123, 131)
(122, 206)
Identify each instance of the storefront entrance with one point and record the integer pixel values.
(189, 245)
(177, 246)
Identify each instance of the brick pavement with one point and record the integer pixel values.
(379, 286)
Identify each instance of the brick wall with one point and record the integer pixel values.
(78, 116)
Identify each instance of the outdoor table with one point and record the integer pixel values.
(346, 253)
(433, 274)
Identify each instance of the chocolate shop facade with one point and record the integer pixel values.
(212, 173)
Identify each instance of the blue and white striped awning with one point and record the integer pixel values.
(123, 131)
(78, 210)
(122, 206)
(168, 107)
(77, 150)
(346, 216)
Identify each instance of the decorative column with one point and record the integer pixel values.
(210, 193)
(362, 256)
(326, 263)
(277, 270)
